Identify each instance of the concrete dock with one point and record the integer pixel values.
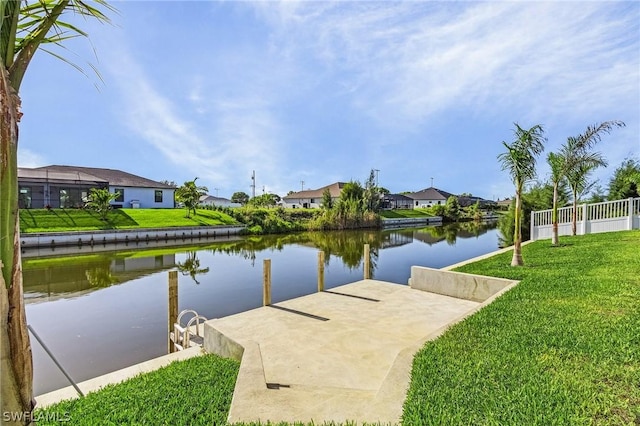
(343, 354)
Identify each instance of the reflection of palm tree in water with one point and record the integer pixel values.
(191, 266)
(100, 276)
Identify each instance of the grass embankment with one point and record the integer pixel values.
(405, 213)
(197, 391)
(562, 348)
(62, 220)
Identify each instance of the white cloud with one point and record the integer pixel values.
(30, 159)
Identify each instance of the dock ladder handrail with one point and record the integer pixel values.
(182, 336)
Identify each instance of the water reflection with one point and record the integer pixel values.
(191, 266)
(100, 312)
(70, 276)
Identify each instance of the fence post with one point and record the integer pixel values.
(320, 271)
(173, 307)
(266, 282)
(532, 235)
(630, 219)
(367, 262)
(584, 219)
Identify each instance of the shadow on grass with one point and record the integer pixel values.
(117, 219)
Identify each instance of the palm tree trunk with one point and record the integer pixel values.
(517, 234)
(15, 353)
(554, 216)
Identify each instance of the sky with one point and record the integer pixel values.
(308, 93)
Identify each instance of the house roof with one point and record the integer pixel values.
(396, 197)
(334, 189)
(55, 176)
(430, 193)
(466, 201)
(111, 176)
(214, 199)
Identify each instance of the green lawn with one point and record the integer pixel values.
(196, 391)
(561, 348)
(403, 213)
(56, 220)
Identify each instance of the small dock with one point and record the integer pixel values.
(343, 354)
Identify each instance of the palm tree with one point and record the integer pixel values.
(557, 164)
(520, 161)
(24, 27)
(189, 194)
(580, 160)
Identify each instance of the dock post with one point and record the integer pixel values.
(266, 282)
(367, 262)
(173, 307)
(320, 271)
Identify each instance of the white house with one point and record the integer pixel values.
(210, 200)
(68, 186)
(429, 197)
(312, 198)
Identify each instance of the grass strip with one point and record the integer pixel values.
(64, 220)
(405, 213)
(196, 391)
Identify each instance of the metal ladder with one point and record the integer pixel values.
(183, 336)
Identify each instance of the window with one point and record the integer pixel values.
(158, 195)
(120, 197)
(24, 199)
(72, 198)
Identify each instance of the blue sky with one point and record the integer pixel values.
(326, 91)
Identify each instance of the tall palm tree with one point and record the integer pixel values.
(557, 165)
(24, 27)
(580, 160)
(519, 160)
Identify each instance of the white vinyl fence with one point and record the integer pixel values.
(618, 215)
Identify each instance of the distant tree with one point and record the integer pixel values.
(291, 192)
(327, 201)
(352, 191)
(264, 200)
(580, 160)
(170, 183)
(100, 200)
(597, 194)
(452, 208)
(372, 197)
(625, 182)
(520, 161)
(240, 197)
(189, 194)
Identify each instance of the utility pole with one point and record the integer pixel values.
(301, 185)
(262, 189)
(432, 182)
(377, 171)
(216, 189)
(253, 184)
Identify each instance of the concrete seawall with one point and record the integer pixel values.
(391, 222)
(92, 238)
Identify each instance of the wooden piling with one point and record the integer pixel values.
(367, 263)
(173, 306)
(266, 282)
(320, 271)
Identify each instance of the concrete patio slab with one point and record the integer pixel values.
(339, 355)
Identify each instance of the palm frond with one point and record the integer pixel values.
(40, 23)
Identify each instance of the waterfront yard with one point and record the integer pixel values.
(61, 220)
(562, 347)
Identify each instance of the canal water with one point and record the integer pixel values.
(100, 312)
